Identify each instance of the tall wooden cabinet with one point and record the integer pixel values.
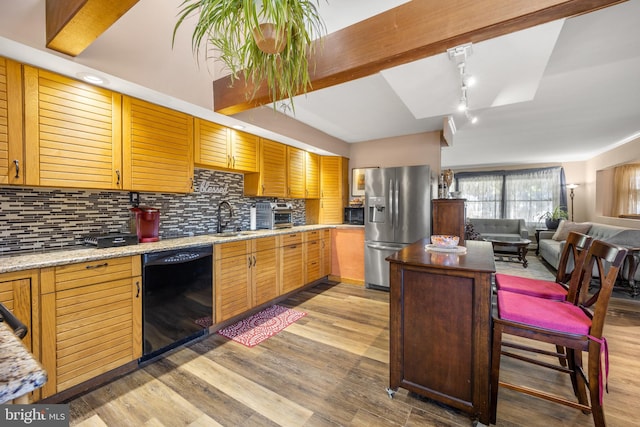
(91, 320)
(72, 132)
(157, 148)
(11, 131)
(448, 216)
(334, 192)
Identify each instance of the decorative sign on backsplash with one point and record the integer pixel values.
(211, 188)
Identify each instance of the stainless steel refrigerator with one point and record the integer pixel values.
(397, 213)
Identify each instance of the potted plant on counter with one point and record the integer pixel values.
(552, 218)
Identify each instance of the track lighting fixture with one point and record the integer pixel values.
(459, 54)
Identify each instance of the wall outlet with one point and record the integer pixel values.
(134, 198)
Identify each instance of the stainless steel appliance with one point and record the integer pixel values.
(177, 303)
(354, 216)
(397, 213)
(272, 215)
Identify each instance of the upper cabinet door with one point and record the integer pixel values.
(211, 144)
(244, 151)
(312, 179)
(272, 179)
(11, 135)
(295, 173)
(157, 148)
(72, 132)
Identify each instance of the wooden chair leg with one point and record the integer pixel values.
(563, 360)
(594, 384)
(574, 360)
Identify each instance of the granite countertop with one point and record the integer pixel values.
(41, 259)
(20, 373)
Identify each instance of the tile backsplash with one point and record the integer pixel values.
(42, 218)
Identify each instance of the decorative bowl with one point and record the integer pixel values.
(445, 241)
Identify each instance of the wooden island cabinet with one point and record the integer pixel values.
(440, 325)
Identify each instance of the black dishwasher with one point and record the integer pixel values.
(177, 302)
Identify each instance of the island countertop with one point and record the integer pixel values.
(478, 257)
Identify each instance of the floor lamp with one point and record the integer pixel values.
(572, 187)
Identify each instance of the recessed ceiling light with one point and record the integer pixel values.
(239, 127)
(92, 78)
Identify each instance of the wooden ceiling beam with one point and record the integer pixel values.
(72, 25)
(412, 31)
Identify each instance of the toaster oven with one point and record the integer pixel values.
(273, 215)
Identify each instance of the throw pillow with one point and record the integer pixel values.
(567, 227)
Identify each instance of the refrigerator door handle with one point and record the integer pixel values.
(396, 208)
(391, 201)
(384, 247)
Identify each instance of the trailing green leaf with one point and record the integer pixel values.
(228, 25)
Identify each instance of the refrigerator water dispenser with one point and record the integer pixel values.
(377, 209)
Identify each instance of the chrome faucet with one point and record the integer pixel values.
(220, 226)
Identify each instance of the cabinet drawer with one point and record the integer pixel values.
(230, 249)
(86, 273)
(290, 239)
(311, 235)
(265, 243)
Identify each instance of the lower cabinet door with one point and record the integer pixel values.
(90, 330)
(292, 259)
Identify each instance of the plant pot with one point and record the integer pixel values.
(268, 39)
(552, 224)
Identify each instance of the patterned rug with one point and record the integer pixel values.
(254, 329)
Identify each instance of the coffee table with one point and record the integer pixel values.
(510, 246)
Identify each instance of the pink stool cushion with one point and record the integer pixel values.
(533, 287)
(543, 313)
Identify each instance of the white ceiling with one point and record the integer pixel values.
(564, 91)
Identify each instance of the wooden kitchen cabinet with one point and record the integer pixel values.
(11, 124)
(246, 275)
(334, 191)
(72, 133)
(296, 173)
(232, 279)
(313, 255)
(264, 271)
(312, 175)
(157, 148)
(219, 147)
(91, 316)
(19, 294)
(325, 265)
(448, 216)
(291, 262)
(271, 181)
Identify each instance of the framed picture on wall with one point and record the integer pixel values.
(357, 182)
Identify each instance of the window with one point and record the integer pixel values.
(526, 193)
(626, 197)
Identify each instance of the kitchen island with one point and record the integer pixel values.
(440, 324)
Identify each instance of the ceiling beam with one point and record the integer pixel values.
(72, 25)
(412, 31)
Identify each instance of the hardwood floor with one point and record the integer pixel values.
(331, 368)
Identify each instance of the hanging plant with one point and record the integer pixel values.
(266, 40)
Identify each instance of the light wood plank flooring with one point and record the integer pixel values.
(331, 369)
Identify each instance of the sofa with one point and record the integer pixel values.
(550, 248)
(500, 228)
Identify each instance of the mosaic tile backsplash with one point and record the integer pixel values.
(33, 219)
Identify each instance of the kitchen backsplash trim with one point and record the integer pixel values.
(34, 219)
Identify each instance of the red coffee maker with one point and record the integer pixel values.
(145, 222)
